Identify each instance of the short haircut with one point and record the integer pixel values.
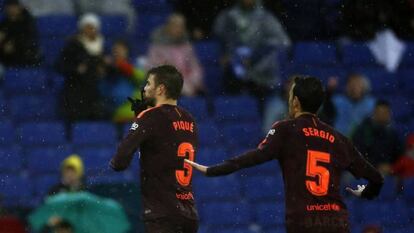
(382, 103)
(170, 77)
(310, 93)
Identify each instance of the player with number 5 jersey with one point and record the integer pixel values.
(165, 134)
(312, 156)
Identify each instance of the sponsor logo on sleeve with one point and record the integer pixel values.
(134, 126)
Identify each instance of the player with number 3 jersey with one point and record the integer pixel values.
(166, 134)
(312, 156)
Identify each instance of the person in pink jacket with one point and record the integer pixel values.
(170, 45)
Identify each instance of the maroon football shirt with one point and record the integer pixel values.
(312, 156)
(165, 135)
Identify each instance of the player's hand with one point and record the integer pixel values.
(197, 166)
(356, 192)
(138, 105)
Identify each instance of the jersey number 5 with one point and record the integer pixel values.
(184, 176)
(321, 187)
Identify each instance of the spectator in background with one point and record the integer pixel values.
(18, 36)
(121, 65)
(404, 166)
(251, 36)
(377, 140)
(202, 15)
(353, 107)
(108, 7)
(82, 64)
(72, 176)
(170, 45)
(49, 7)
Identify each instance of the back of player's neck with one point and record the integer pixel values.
(298, 114)
(166, 102)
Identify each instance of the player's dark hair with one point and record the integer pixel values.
(382, 103)
(64, 225)
(310, 93)
(170, 77)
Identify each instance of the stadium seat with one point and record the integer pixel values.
(154, 6)
(406, 81)
(209, 134)
(270, 213)
(208, 52)
(314, 53)
(94, 133)
(25, 81)
(114, 25)
(389, 189)
(213, 79)
(408, 189)
(402, 107)
(41, 134)
(147, 22)
(15, 189)
(357, 54)
(96, 159)
(264, 188)
(240, 108)
(388, 213)
(216, 189)
(228, 214)
(4, 108)
(56, 25)
(408, 57)
(51, 48)
(197, 106)
(242, 135)
(11, 159)
(42, 184)
(6, 132)
(210, 156)
(32, 108)
(54, 155)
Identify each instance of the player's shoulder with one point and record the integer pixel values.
(339, 137)
(149, 112)
(283, 124)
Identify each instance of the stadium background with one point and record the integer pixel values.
(34, 141)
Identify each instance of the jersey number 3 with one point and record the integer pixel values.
(184, 176)
(313, 169)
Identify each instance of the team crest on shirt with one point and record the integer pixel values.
(271, 132)
(134, 126)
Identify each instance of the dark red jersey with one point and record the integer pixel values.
(165, 135)
(312, 156)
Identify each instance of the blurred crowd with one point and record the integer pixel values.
(99, 74)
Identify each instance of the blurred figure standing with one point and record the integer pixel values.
(251, 36)
(72, 176)
(377, 140)
(170, 45)
(353, 107)
(18, 36)
(82, 64)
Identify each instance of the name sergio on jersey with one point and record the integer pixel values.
(312, 132)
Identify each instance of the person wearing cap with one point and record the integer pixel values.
(18, 36)
(404, 166)
(72, 176)
(82, 64)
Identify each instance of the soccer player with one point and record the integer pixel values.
(312, 156)
(166, 134)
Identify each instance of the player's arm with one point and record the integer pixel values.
(137, 134)
(361, 168)
(265, 152)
